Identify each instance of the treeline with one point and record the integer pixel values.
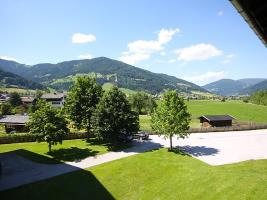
(142, 103)
(259, 98)
(108, 115)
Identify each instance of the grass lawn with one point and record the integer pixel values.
(70, 150)
(238, 109)
(18, 90)
(145, 122)
(153, 175)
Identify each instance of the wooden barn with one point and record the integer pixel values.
(216, 120)
(15, 123)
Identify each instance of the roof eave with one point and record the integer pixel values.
(252, 22)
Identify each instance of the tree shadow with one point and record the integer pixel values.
(178, 151)
(24, 179)
(72, 154)
(111, 145)
(197, 150)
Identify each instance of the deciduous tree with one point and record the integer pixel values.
(15, 99)
(114, 116)
(171, 117)
(82, 100)
(48, 124)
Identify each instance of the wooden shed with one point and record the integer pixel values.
(216, 120)
(15, 123)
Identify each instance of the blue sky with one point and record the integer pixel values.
(200, 41)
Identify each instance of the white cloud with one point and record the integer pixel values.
(171, 61)
(8, 58)
(79, 38)
(198, 52)
(85, 56)
(230, 55)
(134, 58)
(228, 58)
(207, 77)
(142, 49)
(220, 13)
(163, 53)
(226, 61)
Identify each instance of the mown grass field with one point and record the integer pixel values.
(69, 150)
(18, 90)
(238, 109)
(153, 175)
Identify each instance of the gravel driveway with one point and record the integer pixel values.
(220, 148)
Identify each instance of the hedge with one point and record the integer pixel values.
(31, 138)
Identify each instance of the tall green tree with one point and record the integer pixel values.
(82, 100)
(48, 124)
(142, 103)
(259, 97)
(138, 101)
(171, 117)
(114, 116)
(150, 105)
(15, 99)
(6, 109)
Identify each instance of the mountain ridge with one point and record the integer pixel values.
(61, 75)
(8, 79)
(227, 87)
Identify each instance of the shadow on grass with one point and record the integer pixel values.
(23, 179)
(195, 151)
(72, 154)
(111, 146)
(36, 157)
(178, 151)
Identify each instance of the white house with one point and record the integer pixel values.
(56, 99)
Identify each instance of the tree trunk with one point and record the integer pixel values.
(88, 129)
(50, 147)
(171, 142)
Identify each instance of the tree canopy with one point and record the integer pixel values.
(259, 97)
(171, 117)
(48, 124)
(114, 116)
(82, 100)
(142, 103)
(15, 99)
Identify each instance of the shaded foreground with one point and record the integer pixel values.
(153, 175)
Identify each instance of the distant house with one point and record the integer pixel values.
(56, 99)
(3, 98)
(216, 120)
(27, 100)
(15, 122)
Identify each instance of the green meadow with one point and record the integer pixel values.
(242, 112)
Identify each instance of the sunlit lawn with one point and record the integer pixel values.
(69, 150)
(153, 175)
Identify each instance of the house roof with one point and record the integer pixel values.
(14, 119)
(53, 96)
(254, 13)
(27, 99)
(217, 117)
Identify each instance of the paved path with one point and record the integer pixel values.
(223, 147)
(19, 171)
(213, 148)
